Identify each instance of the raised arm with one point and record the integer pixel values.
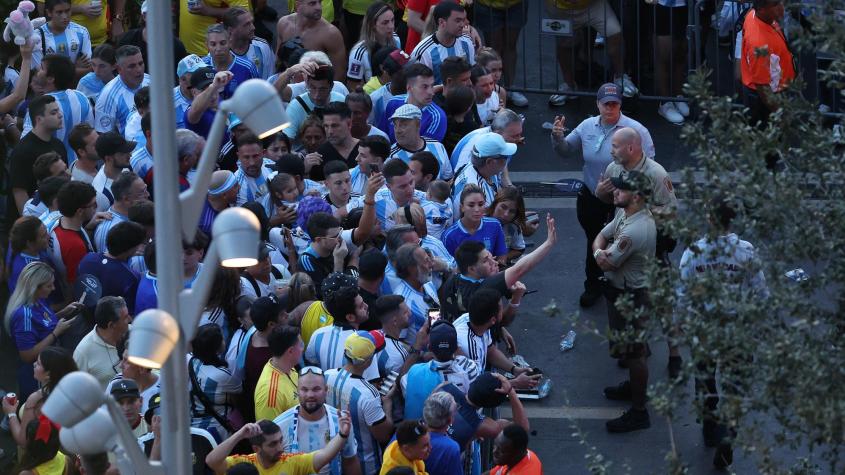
(530, 260)
(8, 103)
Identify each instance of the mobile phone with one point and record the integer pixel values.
(528, 292)
(373, 168)
(433, 315)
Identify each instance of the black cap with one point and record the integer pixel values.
(268, 305)
(336, 281)
(110, 143)
(443, 340)
(124, 388)
(632, 181)
(153, 407)
(202, 77)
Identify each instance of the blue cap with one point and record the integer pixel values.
(189, 64)
(609, 92)
(492, 144)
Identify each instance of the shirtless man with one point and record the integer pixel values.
(316, 34)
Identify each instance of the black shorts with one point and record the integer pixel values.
(670, 21)
(489, 19)
(626, 345)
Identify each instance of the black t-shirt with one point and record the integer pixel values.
(20, 165)
(457, 290)
(369, 298)
(135, 37)
(330, 153)
(455, 131)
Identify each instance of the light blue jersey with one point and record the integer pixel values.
(301, 436)
(74, 43)
(115, 103)
(434, 147)
(181, 104)
(431, 53)
(90, 85)
(76, 109)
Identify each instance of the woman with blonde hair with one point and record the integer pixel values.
(31, 323)
(376, 32)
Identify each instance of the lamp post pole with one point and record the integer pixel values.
(175, 434)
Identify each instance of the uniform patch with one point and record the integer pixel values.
(668, 182)
(355, 68)
(105, 122)
(624, 242)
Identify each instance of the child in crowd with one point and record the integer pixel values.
(440, 210)
(509, 209)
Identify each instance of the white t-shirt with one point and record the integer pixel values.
(264, 289)
(473, 346)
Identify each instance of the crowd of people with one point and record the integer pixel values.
(373, 331)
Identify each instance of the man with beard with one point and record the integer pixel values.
(221, 58)
(622, 250)
(308, 426)
(340, 145)
(265, 437)
(251, 174)
(69, 241)
(413, 268)
(306, 29)
(241, 26)
(115, 151)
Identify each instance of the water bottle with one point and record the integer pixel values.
(568, 341)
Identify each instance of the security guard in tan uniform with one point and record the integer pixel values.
(622, 250)
(627, 152)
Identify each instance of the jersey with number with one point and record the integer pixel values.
(360, 68)
(431, 53)
(429, 145)
(325, 349)
(261, 57)
(301, 436)
(473, 346)
(115, 103)
(242, 70)
(76, 109)
(74, 42)
(90, 85)
(363, 401)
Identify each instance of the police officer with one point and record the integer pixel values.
(627, 152)
(622, 250)
(593, 138)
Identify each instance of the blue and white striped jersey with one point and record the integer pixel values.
(90, 85)
(386, 206)
(325, 349)
(10, 80)
(419, 303)
(261, 56)
(181, 104)
(141, 162)
(301, 436)
(74, 42)
(462, 153)
(438, 216)
(358, 181)
(251, 188)
(469, 175)
(76, 109)
(431, 53)
(242, 70)
(436, 148)
(363, 401)
(133, 132)
(103, 229)
(115, 103)
(359, 67)
(380, 98)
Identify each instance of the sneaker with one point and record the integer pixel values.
(620, 392)
(710, 431)
(682, 107)
(668, 111)
(674, 366)
(589, 298)
(560, 99)
(631, 420)
(724, 456)
(629, 89)
(517, 98)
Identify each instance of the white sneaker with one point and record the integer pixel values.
(560, 99)
(629, 89)
(517, 98)
(682, 107)
(669, 112)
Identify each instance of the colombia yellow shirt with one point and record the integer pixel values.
(316, 317)
(275, 392)
(192, 27)
(296, 464)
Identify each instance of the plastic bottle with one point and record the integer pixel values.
(568, 341)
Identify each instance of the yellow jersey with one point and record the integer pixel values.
(192, 27)
(275, 392)
(289, 464)
(317, 316)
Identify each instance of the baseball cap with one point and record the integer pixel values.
(443, 340)
(407, 111)
(123, 388)
(378, 338)
(268, 305)
(110, 143)
(359, 346)
(153, 408)
(482, 392)
(632, 181)
(189, 64)
(492, 144)
(336, 281)
(202, 77)
(609, 92)
(263, 250)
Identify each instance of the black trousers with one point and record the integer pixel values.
(593, 215)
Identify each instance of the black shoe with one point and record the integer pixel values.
(589, 298)
(674, 366)
(620, 392)
(724, 456)
(710, 430)
(631, 420)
